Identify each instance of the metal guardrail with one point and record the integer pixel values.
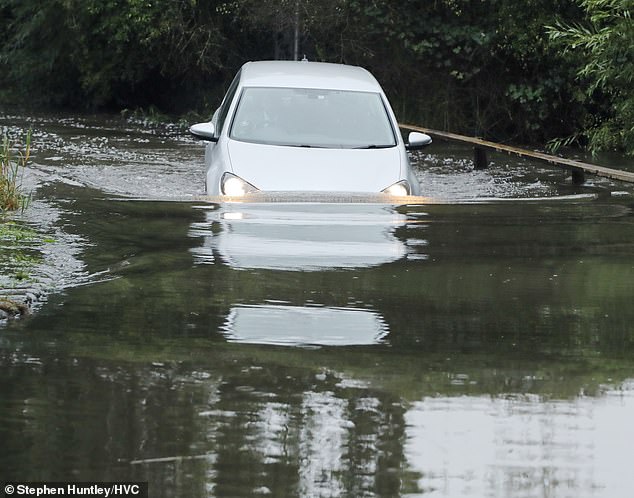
(577, 168)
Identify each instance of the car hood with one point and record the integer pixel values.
(281, 168)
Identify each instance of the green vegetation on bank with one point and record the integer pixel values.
(522, 71)
(16, 255)
(18, 252)
(11, 169)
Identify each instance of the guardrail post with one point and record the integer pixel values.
(578, 176)
(480, 160)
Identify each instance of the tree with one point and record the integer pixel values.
(96, 53)
(293, 26)
(479, 67)
(602, 48)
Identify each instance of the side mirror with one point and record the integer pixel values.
(205, 131)
(417, 141)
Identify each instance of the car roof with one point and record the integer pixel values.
(303, 74)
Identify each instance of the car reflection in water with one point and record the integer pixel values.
(304, 325)
(310, 237)
(301, 238)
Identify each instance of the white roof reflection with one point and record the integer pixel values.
(304, 325)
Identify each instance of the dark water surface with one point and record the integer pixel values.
(478, 345)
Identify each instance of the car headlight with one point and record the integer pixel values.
(235, 186)
(398, 189)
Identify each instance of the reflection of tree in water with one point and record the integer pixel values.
(315, 437)
(237, 430)
(245, 420)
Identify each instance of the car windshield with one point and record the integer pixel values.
(312, 118)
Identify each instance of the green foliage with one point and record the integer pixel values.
(17, 256)
(11, 170)
(601, 50)
(489, 68)
(13, 233)
(114, 53)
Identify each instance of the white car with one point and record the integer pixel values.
(287, 126)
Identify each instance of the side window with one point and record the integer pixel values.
(226, 103)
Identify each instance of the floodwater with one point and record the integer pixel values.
(480, 344)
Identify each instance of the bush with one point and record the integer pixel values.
(601, 50)
(11, 171)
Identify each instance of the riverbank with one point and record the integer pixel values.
(15, 257)
(19, 257)
(74, 161)
(16, 304)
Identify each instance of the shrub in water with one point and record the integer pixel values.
(11, 170)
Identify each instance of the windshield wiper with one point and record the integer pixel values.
(373, 146)
(303, 146)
